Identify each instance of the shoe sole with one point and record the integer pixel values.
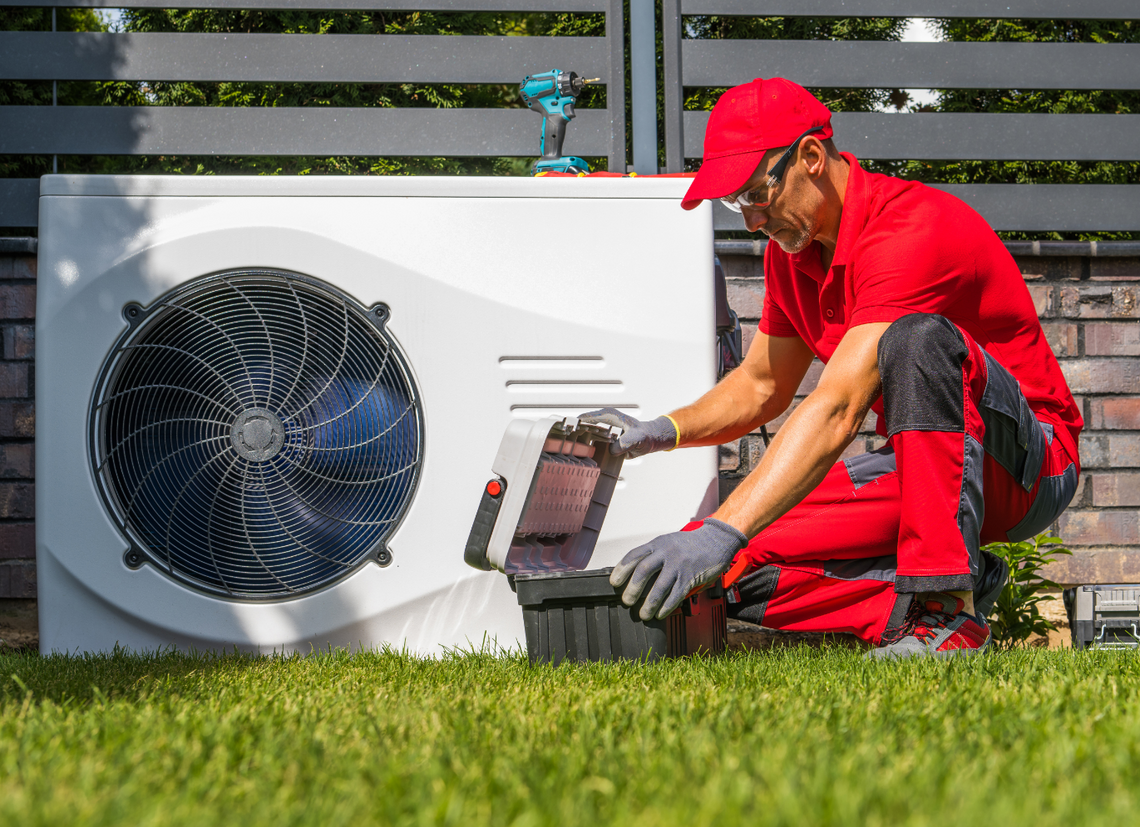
(884, 653)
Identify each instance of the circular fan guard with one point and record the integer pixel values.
(256, 434)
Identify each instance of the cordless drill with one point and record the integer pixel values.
(552, 95)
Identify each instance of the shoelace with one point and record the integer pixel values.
(920, 622)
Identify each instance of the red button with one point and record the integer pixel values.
(494, 488)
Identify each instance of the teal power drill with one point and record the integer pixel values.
(552, 95)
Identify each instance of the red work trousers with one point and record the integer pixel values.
(966, 463)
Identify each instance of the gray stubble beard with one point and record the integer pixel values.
(799, 242)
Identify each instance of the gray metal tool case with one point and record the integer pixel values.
(1104, 616)
(538, 522)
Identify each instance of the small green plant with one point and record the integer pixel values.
(1016, 616)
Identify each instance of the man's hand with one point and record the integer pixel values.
(680, 562)
(638, 438)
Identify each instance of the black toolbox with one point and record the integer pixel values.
(538, 522)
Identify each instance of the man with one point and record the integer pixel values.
(920, 315)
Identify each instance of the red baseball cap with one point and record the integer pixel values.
(746, 122)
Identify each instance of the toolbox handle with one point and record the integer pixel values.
(475, 554)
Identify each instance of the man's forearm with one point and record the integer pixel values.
(732, 409)
(800, 455)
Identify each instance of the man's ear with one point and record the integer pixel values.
(813, 156)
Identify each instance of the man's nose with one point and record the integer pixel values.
(754, 219)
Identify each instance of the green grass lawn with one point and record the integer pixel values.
(796, 737)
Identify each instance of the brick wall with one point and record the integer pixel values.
(17, 426)
(1090, 310)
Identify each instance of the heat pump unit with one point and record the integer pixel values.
(266, 406)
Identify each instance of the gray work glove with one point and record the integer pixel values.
(681, 562)
(638, 438)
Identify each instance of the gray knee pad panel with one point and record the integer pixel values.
(920, 364)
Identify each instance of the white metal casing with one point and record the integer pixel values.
(510, 297)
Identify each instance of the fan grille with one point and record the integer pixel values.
(257, 434)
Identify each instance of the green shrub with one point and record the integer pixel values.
(1016, 616)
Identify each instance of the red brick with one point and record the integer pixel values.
(17, 419)
(1112, 339)
(17, 459)
(1109, 450)
(17, 541)
(1096, 565)
(747, 334)
(20, 342)
(1062, 338)
(1115, 489)
(1123, 450)
(730, 456)
(1102, 375)
(811, 378)
(1053, 268)
(1115, 413)
(1043, 300)
(1114, 269)
(17, 500)
(23, 582)
(13, 379)
(746, 298)
(1100, 302)
(858, 446)
(1079, 527)
(23, 267)
(17, 301)
(743, 267)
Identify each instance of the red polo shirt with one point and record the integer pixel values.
(904, 248)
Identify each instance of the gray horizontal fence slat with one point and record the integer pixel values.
(334, 5)
(19, 202)
(295, 58)
(1030, 207)
(874, 64)
(953, 136)
(160, 130)
(1038, 9)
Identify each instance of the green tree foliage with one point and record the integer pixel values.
(407, 95)
(39, 93)
(1064, 101)
(243, 94)
(798, 28)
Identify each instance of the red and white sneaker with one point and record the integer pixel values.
(935, 627)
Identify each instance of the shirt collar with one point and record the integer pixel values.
(854, 217)
(851, 224)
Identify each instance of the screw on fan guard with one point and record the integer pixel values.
(384, 558)
(552, 95)
(132, 313)
(133, 558)
(381, 313)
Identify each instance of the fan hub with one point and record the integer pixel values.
(257, 434)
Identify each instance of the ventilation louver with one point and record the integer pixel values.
(256, 434)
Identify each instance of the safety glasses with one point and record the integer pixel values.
(761, 197)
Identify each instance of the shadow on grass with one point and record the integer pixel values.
(65, 679)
